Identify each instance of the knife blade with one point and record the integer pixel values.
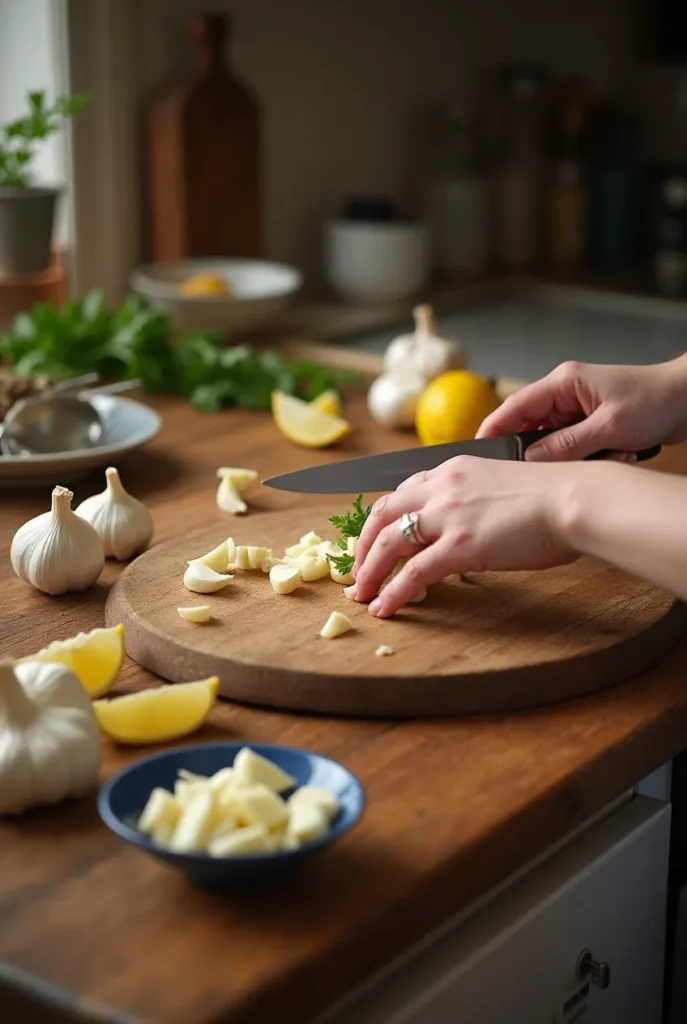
(386, 471)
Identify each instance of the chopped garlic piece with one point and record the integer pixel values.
(259, 805)
(383, 651)
(217, 559)
(233, 483)
(351, 545)
(349, 592)
(284, 579)
(199, 613)
(251, 768)
(203, 580)
(347, 578)
(307, 821)
(296, 550)
(319, 796)
(243, 842)
(336, 625)
(420, 596)
(310, 538)
(250, 556)
(194, 825)
(161, 810)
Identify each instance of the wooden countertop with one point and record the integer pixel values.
(93, 930)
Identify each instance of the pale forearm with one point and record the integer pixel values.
(633, 518)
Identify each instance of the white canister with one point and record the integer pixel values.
(376, 261)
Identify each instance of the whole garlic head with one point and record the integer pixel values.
(392, 398)
(122, 522)
(423, 353)
(57, 552)
(49, 739)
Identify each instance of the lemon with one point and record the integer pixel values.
(305, 424)
(154, 716)
(328, 402)
(203, 285)
(96, 657)
(453, 406)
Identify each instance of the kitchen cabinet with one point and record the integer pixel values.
(517, 958)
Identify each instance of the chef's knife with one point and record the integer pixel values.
(385, 472)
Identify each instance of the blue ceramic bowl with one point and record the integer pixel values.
(122, 799)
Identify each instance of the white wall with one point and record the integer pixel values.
(28, 63)
(340, 81)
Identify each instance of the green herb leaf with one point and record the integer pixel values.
(351, 523)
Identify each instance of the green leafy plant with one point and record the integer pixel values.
(18, 139)
(350, 524)
(135, 340)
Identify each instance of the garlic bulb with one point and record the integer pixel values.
(58, 552)
(49, 739)
(122, 522)
(392, 398)
(423, 353)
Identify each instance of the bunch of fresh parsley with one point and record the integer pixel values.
(350, 524)
(135, 340)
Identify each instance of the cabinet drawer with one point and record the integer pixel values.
(515, 958)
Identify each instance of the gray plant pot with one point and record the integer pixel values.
(27, 217)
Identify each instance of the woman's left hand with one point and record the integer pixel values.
(473, 515)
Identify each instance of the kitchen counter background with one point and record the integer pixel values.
(523, 332)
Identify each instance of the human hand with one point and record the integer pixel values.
(473, 515)
(622, 408)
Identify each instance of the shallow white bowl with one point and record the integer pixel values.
(259, 289)
(126, 425)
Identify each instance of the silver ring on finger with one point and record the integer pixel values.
(409, 525)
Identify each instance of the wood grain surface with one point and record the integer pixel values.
(93, 930)
(488, 642)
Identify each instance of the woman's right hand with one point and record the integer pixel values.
(621, 408)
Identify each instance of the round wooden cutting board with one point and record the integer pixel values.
(495, 642)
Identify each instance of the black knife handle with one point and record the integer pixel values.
(530, 437)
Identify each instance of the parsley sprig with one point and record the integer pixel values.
(136, 340)
(350, 524)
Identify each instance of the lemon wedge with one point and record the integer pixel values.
(154, 716)
(306, 425)
(96, 657)
(328, 402)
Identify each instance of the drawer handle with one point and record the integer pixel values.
(596, 971)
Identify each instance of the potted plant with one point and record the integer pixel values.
(27, 212)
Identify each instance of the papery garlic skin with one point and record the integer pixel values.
(49, 739)
(58, 552)
(423, 353)
(122, 522)
(393, 397)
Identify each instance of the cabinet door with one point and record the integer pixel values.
(515, 959)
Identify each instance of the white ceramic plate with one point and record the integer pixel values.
(126, 425)
(259, 289)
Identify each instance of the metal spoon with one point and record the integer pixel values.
(52, 423)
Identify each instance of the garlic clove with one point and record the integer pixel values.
(58, 552)
(218, 558)
(284, 579)
(393, 397)
(336, 625)
(384, 651)
(122, 522)
(196, 613)
(201, 579)
(233, 483)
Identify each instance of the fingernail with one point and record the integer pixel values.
(375, 606)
